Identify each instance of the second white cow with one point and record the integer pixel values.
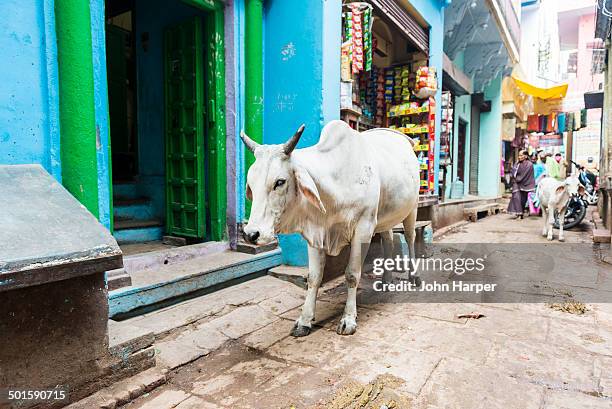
(339, 192)
(554, 195)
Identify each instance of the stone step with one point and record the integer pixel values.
(475, 213)
(163, 283)
(123, 392)
(128, 223)
(601, 236)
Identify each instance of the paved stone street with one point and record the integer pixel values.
(232, 348)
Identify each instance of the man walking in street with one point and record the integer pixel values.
(523, 182)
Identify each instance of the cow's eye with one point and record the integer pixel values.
(279, 183)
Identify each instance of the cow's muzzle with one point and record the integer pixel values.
(251, 237)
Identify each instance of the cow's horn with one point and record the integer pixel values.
(250, 144)
(291, 143)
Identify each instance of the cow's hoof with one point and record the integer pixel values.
(415, 280)
(561, 238)
(549, 238)
(346, 326)
(300, 330)
(544, 233)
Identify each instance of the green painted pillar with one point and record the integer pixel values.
(253, 73)
(76, 99)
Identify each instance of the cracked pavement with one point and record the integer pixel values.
(232, 349)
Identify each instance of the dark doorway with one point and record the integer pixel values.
(474, 148)
(121, 76)
(461, 150)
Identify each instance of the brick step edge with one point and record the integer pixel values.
(124, 391)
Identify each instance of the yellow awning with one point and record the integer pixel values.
(558, 91)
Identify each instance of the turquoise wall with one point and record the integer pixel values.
(29, 116)
(489, 153)
(462, 111)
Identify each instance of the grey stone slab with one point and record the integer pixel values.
(281, 303)
(125, 339)
(243, 321)
(46, 232)
(540, 363)
(168, 399)
(457, 384)
(189, 346)
(560, 399)
(267, 336)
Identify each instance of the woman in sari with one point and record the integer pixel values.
(523, 182)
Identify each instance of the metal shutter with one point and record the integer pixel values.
(404, 22)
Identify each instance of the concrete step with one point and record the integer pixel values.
(124, 224)
(136, 231)
(135, 209)
(476, 213)
(159, 285)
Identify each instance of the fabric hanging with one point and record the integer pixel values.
(551, 122)
(532, 123)
(577, 121)
(569, 121)
(561, 122)
(543, 123)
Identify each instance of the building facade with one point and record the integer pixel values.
(481, 45)
(136, 107)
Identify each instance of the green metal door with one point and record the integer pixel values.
(184, 126)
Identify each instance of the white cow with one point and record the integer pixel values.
(339, 192)
(554, 195)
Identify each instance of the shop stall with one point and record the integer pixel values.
(387, 80)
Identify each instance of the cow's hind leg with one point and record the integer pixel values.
(359, 249)
(409, 234)
(387, 239)
(316, 266)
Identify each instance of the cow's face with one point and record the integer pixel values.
(270, 187)
(572, 186)
(274, 184)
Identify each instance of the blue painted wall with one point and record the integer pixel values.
(29, 116)
(98, 38)
(296, 56)
(301, 80)
(152, 16)
(489, 153)
(239, 23)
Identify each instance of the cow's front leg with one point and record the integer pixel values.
(544, 221)
(550, 223)
(316, 266)
(561, 223)
(359, 249)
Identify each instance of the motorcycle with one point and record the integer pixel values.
(589, 181)
(574, 214)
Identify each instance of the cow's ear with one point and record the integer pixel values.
(560, 189)
(307, 187)
(249, 194)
